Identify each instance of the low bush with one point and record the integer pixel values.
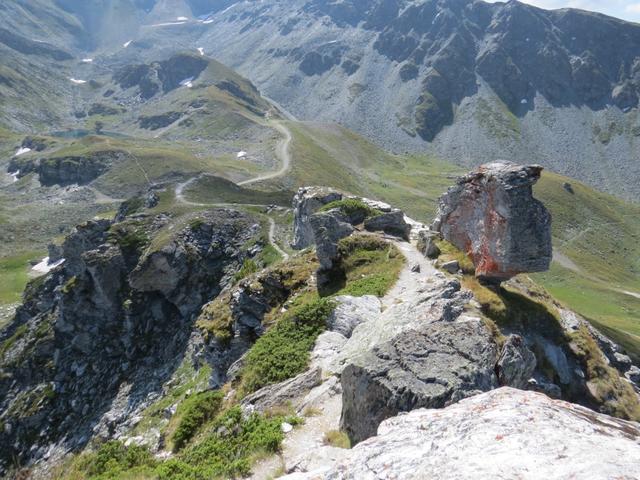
(283, 351)
(194, 412)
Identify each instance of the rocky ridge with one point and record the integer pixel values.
(98, 336)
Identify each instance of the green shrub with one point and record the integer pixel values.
(249, 267)
(352, 208)
(113, 459)
(194, 412)
(228, 451)
(283, 351)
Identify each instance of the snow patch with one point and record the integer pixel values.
(15, 176)
(77, 82)
(22, 151)
(207, 22)
(127, 44)
(168, 24)
(182, 19)
(201, 50)
(87, 60)
(242, 154)
(524, 101)
(45, 266)
(187, 82)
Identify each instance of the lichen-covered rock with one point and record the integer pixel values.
(516, 363)
(492, 216)
(306, 202)
(505, 433)
(431, 366)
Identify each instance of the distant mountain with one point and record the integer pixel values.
(465, 80)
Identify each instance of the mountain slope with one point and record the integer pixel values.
(467, 80)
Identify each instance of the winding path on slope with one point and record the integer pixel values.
(282, 153)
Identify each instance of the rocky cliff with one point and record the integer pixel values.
(99, 334)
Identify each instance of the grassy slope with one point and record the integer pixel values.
(596, 232)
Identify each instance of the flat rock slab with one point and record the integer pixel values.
(504, 434)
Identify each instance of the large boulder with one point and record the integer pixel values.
(430, 367)
(516, 363)
(492, 216)
(306, 202)
(505, 433)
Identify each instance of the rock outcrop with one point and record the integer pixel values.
(430, 367)
(307, 201)
(102, 332)
(504, 433)
(492, 216)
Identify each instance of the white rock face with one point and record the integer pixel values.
(501, 434)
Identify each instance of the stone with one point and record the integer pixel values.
(451, 267)
(516, 363)
(505, 433)
(427, 243)
(416, 268)
(282, 393)
(392, 223)
(306, 202)
(492, 216)
(328, 229)
(431, 366)
(352, 311)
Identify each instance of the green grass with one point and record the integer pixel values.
(283, 351)
(193, 413)
(352, 208)
(14, 275)
(371, 266)
(212, 190)
(337, 438)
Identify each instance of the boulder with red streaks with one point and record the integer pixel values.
(491, 215)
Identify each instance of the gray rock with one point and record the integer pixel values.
(505, 433)
(351, 312)
(432, 366)
(492, 216)
(416, 268)
(516, 363)
(306, 202)
(283, 393)
(328, 229)
(392, 223)
(427, 243)
(451, 267)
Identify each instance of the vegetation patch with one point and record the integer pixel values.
(612, 392)
(193, 413)
(283, 351)
(352, 208)
(449, 253)
(337, 438)
(371, 266)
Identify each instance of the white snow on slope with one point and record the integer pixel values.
(87, 60)
(45, 267)
(187, 82)
(201, 50)
(22, 151)
(77, 82)
(127, 44)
